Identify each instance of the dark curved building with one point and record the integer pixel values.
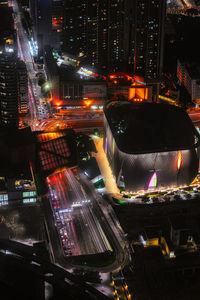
(150, 145)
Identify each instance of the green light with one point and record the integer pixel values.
(119, 201)
(47, 86)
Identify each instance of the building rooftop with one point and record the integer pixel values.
(150, 127)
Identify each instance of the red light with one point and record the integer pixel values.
(167, 93)
(128, 77)
(95, 75)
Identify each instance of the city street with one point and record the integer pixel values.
(24, 50)
(76, 124)
(79, 229)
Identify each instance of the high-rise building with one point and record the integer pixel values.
(8, 40)
(74, 27)
(40, 12)
(57, 23)
(9, 96)
(13, 89)
(47, 22)
(111, 35)
(117, 35)
(22, 87)
(95, 30)
(146, 38)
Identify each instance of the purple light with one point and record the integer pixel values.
(153, 181)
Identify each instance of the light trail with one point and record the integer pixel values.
(63, 205)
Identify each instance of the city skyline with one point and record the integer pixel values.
(99, 135)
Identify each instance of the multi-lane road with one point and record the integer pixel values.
(85, 222)
(79, 228)
(37, 111)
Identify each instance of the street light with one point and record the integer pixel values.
(47, 86)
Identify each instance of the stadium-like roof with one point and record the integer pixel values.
(150, 127)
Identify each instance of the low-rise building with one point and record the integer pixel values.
(189, 76)
(69, 86)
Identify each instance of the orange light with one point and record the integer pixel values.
(58, 170)
(129, 77)
(58, 103)
(9, 41)
(112, 283)
(179, 160)
(88, 102)
(51, 96)
(115, 81)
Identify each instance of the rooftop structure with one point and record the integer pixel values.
(145, 146)
(55, 150)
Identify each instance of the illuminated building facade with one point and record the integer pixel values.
(98, 32)
(145, 146)
(13, 89)
(122, 85)
(117, 35)
(147, 36)
(74, 27)
(9, 95)
(23, 106)
(86, 30)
